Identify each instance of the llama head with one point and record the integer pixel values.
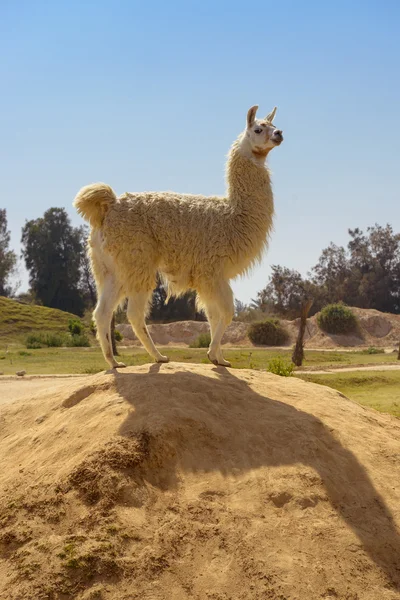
(261, 134)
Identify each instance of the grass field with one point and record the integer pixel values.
(378, 389)
(90, 360)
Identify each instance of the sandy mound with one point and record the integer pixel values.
(376, 329)
(184, 333)
(187, 481)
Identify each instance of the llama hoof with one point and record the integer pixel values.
(224, 363)
(213, 360)
(219, 363)
(162, 359)
(119, 365)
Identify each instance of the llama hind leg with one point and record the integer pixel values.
(220, 310)
(138, 303)
(109, 296)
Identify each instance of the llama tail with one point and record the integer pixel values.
(93, 201)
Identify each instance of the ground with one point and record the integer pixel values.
(378, 389)
(194, 482)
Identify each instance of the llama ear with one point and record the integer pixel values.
(271, 115)
(251, 115)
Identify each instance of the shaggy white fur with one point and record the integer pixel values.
(194, 242)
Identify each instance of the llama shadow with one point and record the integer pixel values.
(290, 437)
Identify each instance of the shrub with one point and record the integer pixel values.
(281, 367)
(337, 318)
(40, 340)
(55, 340)
(373, 350)
(268, 333)
(118, 336)
(78, 341)
(75, 327)
(202, 341)
(32, 344)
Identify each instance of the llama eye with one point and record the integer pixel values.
(257, 130)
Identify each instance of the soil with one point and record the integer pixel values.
(195, 482)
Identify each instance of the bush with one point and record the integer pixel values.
(203, 341)
(55, 340)
(118, 336)
(278, 366)
(78, 341)
(373, 350)
(32, 341)
(41, 340)
(75, 327)
(268, 333)
(337, 318)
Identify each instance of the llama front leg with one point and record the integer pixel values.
(137, 308)
(220, 310)
(108, 300)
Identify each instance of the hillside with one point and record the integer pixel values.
(192, 482)
(17, 319)
(376, 329)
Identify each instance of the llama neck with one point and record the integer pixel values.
(248, 180)
(250, 197)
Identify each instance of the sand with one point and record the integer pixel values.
(186, 481)
(376, 329)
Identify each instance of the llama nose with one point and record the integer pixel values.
(278, 133)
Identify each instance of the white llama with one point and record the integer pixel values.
(194, 242)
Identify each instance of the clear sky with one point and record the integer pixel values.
(150, 95)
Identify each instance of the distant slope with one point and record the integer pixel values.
(17, 320)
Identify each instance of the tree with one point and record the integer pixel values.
(285, 292)
(87, 283)
(8, 258)
(366, 275)
(182, 308)
(298, 350)
(375, 265)
(331, 272)
(240, 307)
(52, 250)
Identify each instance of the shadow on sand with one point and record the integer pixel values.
(202, 424)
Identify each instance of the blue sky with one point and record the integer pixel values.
(150, 95)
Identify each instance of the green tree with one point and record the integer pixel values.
(330, 275)
(87, 283)
(182, 308)
(8, 258)
(367, 275)
(52, 250)
(285, 293)
(375, 266)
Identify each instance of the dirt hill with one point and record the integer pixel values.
(187, 481)
(376, 329)
(18, 319)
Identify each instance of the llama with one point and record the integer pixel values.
(192, 241)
